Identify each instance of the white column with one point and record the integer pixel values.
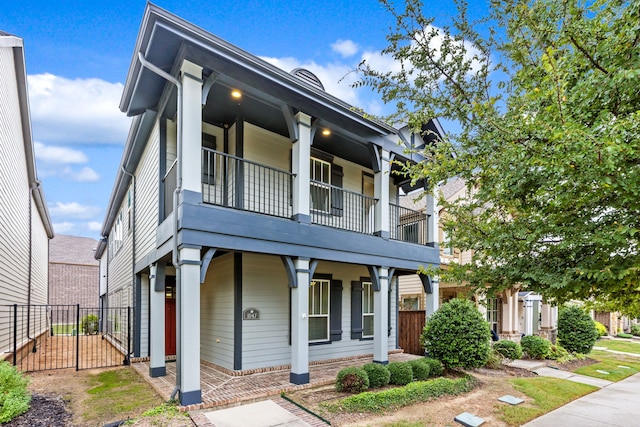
(528, 317)
(546, 316)
(507, 313)
(554, 316)
(157, 366)
(300, 324)
(432, 300)
(515, 322)
(301, 153)
(381, 193)
(189, 326)
(381, 318)
(191, 77)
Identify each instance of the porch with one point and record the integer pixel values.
(223, 388)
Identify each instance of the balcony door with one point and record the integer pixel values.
(369, 203)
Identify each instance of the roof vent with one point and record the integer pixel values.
(308, 77)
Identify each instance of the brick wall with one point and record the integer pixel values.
(73, 284)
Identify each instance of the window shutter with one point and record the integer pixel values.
(389, 310)
(336, 193)
(356, 310)
(335, 316)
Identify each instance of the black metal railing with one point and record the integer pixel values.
(408, 225)
(170, 182)
(43, 337)
(242, 184)
(339, 208)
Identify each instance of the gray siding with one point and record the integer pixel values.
(216, 313)
(147, 196)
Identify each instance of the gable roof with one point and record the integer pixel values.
(77, 250)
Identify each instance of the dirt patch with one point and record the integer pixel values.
(482, 401)
(571, 365)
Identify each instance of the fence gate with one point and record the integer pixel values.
(43, 337)
(410, 325)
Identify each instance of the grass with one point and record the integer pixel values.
(63, 329)
(626, 346)
(547, 394)
(610, 362)
(118, 394)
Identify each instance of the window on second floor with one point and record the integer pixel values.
(320, 172)
(447, 248)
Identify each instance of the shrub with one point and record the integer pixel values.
(576, 330)
(536, 347)
(14, 398)
(90, 324)
(494, 361)
(420, 369)
(635, 330)
(602, 330)
(457, 335)
(378, 374)
(401, 373)
(508, 349)
(624, 335)
(352, 380)
(435, 367)
(559, 354)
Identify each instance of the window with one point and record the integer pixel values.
(410, 303)
(492, 313)
(367, 310)
(320, 185)
(319, 310)
(447, 248)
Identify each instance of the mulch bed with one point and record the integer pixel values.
(44, 411)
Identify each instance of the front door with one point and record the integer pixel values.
(170, 316)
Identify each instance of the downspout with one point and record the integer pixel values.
(32, 187)
(176, 192)
(133, 242)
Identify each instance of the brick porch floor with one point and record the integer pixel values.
(221, 389)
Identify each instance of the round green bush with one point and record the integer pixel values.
(352, 380)
(435, 367)
(458, 335)
(536, 347)
(420, 369)
(508, 349)
(14, 397)
(401, 373)
(601, 329)
(635, 330)
(378, 374)
(576, 330)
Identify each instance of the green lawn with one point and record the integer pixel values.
(63, 329)
(617, 345)
(547, 394)
(610, 362)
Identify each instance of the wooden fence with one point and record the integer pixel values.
(409, 330)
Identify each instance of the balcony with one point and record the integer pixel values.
(408, 225)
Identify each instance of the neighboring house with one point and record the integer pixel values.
(510, 314)
(25, 226)
(254, 222)
(73, 271)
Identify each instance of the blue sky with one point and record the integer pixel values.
(78, 54)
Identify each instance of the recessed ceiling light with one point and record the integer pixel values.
(326, 132)
(235, 93)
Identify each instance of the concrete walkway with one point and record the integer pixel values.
(617, 404)
(544, 371)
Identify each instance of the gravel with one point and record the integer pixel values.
(44, 411)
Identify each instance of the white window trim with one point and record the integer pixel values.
(367, 287)
(319, 179)
(326, 284)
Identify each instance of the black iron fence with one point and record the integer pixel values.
(43, 337)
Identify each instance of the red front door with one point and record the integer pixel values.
(170, 317)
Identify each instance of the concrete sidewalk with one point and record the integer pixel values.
(617, 404)
(544, 371)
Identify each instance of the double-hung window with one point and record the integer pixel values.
(319, 310)
(320, 185)
(367, 310)
(492, 313)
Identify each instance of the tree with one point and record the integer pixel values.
(545, 96)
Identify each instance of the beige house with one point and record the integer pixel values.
(25, 226)
(510, 314)
(73, 271)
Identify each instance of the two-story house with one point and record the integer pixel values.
(254, 222)
(25, 225)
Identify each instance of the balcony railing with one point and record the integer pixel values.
(339, 208)
(242, 184)
(408, 225)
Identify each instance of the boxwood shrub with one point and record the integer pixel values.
(352, 380)
(435, 367)
(508, 349)
(576, 330)
(635, 330)
(420, 369)
(401, 373)
(536, 347)
(378, 374)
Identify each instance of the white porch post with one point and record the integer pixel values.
(300, 323)
(381, 318)
(546, 316)
(157, 367)
(432, 300)
(381, 193)
(515, 322)
(301, 153)
(191, 128)
(507, 312)
(189, 326)
(554, 316)
(528, 317)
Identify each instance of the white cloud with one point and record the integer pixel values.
(59, 155)
(63, 227)
(346, 48)
(72, 210)
(94, 226)
(86, 174)
(76, 111)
